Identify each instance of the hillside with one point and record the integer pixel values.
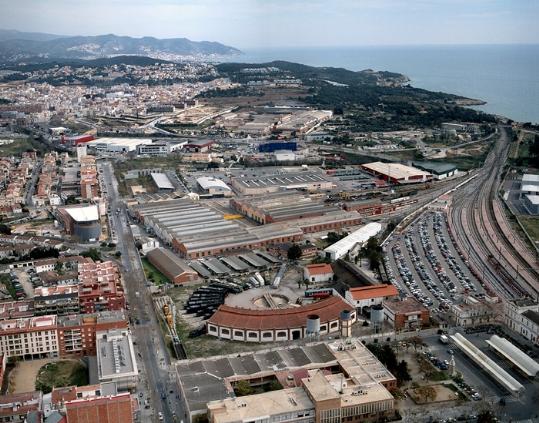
(94, 47)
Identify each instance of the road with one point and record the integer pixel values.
(31, 186)
(161, 389)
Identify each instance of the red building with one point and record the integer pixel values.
(112, 409)
(94, 403)
(100, 287)
(77, 333)
(407, 314)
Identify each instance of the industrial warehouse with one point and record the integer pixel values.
(308, 181)
(308, 376)
(194, 230)
(280, 207)
(117, 145)
(397, 173)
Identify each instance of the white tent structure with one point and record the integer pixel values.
(517, 357)
(343, 246)
(487, 364)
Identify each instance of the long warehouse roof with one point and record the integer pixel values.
(395, 170)
(361, 235)
(162, 181)
(486, 363)
(516, 356)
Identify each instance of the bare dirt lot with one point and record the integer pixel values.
(23, 377)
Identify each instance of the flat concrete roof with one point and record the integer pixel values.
(252, 406)
(283, 179)
(124, 142)
(115, 355)
(83, 214)
(530, 187)
(395, 170)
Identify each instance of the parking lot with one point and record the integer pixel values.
(423, 262)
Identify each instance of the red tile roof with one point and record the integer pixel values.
(319, 269)
(374, 291)
(241, 318)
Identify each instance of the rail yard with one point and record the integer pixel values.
(466, 248)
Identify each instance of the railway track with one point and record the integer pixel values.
(500, 263)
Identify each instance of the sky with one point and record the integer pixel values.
(286, 23)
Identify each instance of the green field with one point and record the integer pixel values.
(531, 224)
(152, 274)
(61, 373)
(21, 145)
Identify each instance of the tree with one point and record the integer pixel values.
(294, 252)
(5, 229)
(58, 267)
(486, 416)
(402, 374)
(534, 151)
(92, 253)
(416, 341)
(333, 237)
(243, 388)
(200, 418)
(427, 392)
(118, 254)
(39, 253)
(71, 199)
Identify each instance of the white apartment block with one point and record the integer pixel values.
(35, 337)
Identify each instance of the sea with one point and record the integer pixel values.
(506, 77)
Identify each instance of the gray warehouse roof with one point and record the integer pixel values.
(162, 181)
(435, 167)
(285, 179)
(203, 380)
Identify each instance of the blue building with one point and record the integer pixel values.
(271, 147)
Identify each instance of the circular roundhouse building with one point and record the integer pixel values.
(330, 315)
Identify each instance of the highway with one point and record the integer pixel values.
(496, 258)
(160, 387)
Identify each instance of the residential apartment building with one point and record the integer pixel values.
(53, 336)
(77, 333)
(21, 407)
(94, 403)
(56, 300)
(33, 337)
(100, 287)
